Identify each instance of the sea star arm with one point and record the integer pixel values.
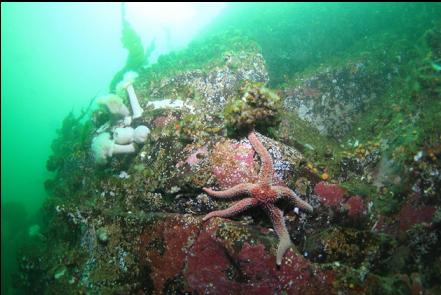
(292, 196)
(242, 188)
(278, 221)
(266, 171)
(237, 207)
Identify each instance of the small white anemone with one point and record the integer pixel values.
(103, 148)
(128, 134)
(123, 135)
(114, 104)
(127, 84)
(141, 133)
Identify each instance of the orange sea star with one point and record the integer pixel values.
(262, 193)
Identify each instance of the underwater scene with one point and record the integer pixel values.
(220, 148)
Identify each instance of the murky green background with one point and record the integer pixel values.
(55, 59)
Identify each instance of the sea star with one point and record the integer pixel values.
(262, 193)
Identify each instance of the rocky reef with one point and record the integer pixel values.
(357, 139)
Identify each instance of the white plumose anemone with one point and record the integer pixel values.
(115, 105)
(127, 84)
(103, 148)
(128, 134)
(140, 134)
(123, 135)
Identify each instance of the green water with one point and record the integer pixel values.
(56, 58)
(45, 50)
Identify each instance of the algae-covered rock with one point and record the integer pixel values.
(333, 98)
(257, 108)
(207, 77)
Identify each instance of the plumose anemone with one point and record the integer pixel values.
(141, 133)
(127, 84)
(103, 148)
(115, 105)
(125, 135)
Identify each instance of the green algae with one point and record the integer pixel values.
(136, 56)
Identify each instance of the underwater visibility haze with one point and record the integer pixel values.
(221, 148)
